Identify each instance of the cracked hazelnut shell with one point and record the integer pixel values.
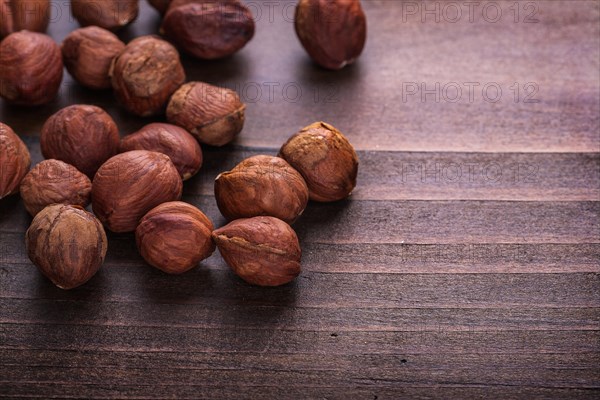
(81, 135)
(261, 185)
(130, 184)
(18, 15)
(214, 115)
(15, 161)
(107, 14)
(326, 160)
(31, 68)
(333, 32)
(67, 244)
(145, 75)
(88, 53)
(262, 251)
(181, 147)
(174, 237)
(54, 182)
(209, 29)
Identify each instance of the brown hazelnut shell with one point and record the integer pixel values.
(88, 53)
(15, 161)
(67, 244)
(31, 68)
(214, 115)
(19, 15)
(181, 147)
(81, 135)
(262, 251)
(178, 3)
(107, 14)
(326, 160)
(262, 185)
(145, 75)
(174, 237)
(333, 32)
(209, 29)
(130, 184)
(54, 182)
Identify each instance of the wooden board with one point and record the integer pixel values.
(465, 265)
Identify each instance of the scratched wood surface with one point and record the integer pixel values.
(465, 265)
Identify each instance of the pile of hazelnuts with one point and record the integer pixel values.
(134, 183)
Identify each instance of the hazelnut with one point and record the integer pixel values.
(88, 54)
(67, 244)
(325, 159)
(107, 14)
(213, 114)
(262, 251)
(18, 15)
(81, 135)
(181, 147)
(333, 32)
(209, 29)
(160, 5)
(54, 182)
(14, 161)
(130, 184)
(31, 68)
(174, 237)
(261, 185)
(178, 3)
(145, 74)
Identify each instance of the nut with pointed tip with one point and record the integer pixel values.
(15, 161)
(67, 244)
(181, 147)
(31, 68)
(19, 15)
(54, 182)
(107, 14)
(333, 32)
(262, 251)
(209, 29)
(174, 237)
(145, 75)
(130, 184)
(214, 115)
(326, 160)
(262, 185)
(88, 54)
(81, 135)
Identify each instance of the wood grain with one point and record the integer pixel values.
(314, 289)
(236, 340)
(421, 222)
(395, 175)
(303, 378)
(404, 258)
(465, 265)
(156, 391)
(323, 319)
(311, 362)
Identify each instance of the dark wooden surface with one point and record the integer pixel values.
(425, 284)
